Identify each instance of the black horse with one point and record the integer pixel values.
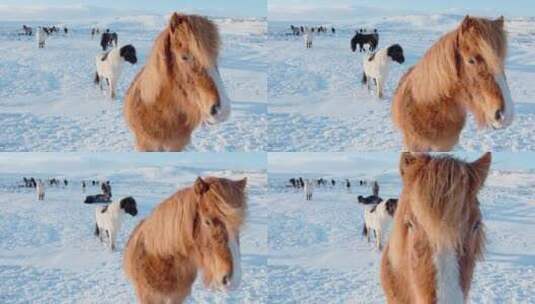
(108, 39)
(361, 38)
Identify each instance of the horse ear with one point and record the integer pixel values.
(242, 183)
(175, 21)
(467, 23)
(410, 159)
(500, 21)
(407, 159)
(200, 186)
(480, 168)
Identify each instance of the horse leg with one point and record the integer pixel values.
(113, 237)
(379, 241)
(379, 88)
(112, 88)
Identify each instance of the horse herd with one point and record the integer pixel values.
(49, 30)
(463, 72)
(40, 185)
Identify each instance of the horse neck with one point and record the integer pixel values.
(115, 209)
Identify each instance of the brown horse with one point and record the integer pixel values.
(438, 233)
(196, 228)
(179, 88)
(463, 71)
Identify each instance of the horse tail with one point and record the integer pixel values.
(364, 230)
(97, 79)
(97, 232)
(364, 78)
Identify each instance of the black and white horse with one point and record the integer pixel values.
(110, 65)
(377, 66)
(363, 37)
(377, 218)
(108, 219)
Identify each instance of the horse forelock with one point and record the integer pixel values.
(226, 199)
(201, 37)
(490, 41)
(442, 200)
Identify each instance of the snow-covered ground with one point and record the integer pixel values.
(316, 101)
(318, 255)
(48, 101)
(48, 253)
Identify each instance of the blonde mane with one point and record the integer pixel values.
(438, 234)
(440, 202)
(172, 224)
(437, 73)
(199, 34)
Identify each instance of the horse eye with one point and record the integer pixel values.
(471, 61)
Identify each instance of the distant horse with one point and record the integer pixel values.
(179, 88)
(463, 71)
(308, 189)
(377, 66)
(198, 228)
(369, 200)
(308, 36)
(108, 39)
(27, 30)
(362, 38)
(40, 188)
(41, 37)
(438, 233)
(375, 188)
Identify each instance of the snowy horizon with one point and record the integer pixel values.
(377, 163)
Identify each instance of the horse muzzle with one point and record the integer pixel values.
(220, 110)
(503, 117)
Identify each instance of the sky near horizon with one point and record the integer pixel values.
(351, 10)
(67, 162)
(219, 8)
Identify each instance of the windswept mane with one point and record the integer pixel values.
(229, 201)
(438, 71)
(202, 36)
(202, 40)
(172, 225)
(439, 202)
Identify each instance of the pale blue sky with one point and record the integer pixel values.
(336, 9)
(238, 8)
